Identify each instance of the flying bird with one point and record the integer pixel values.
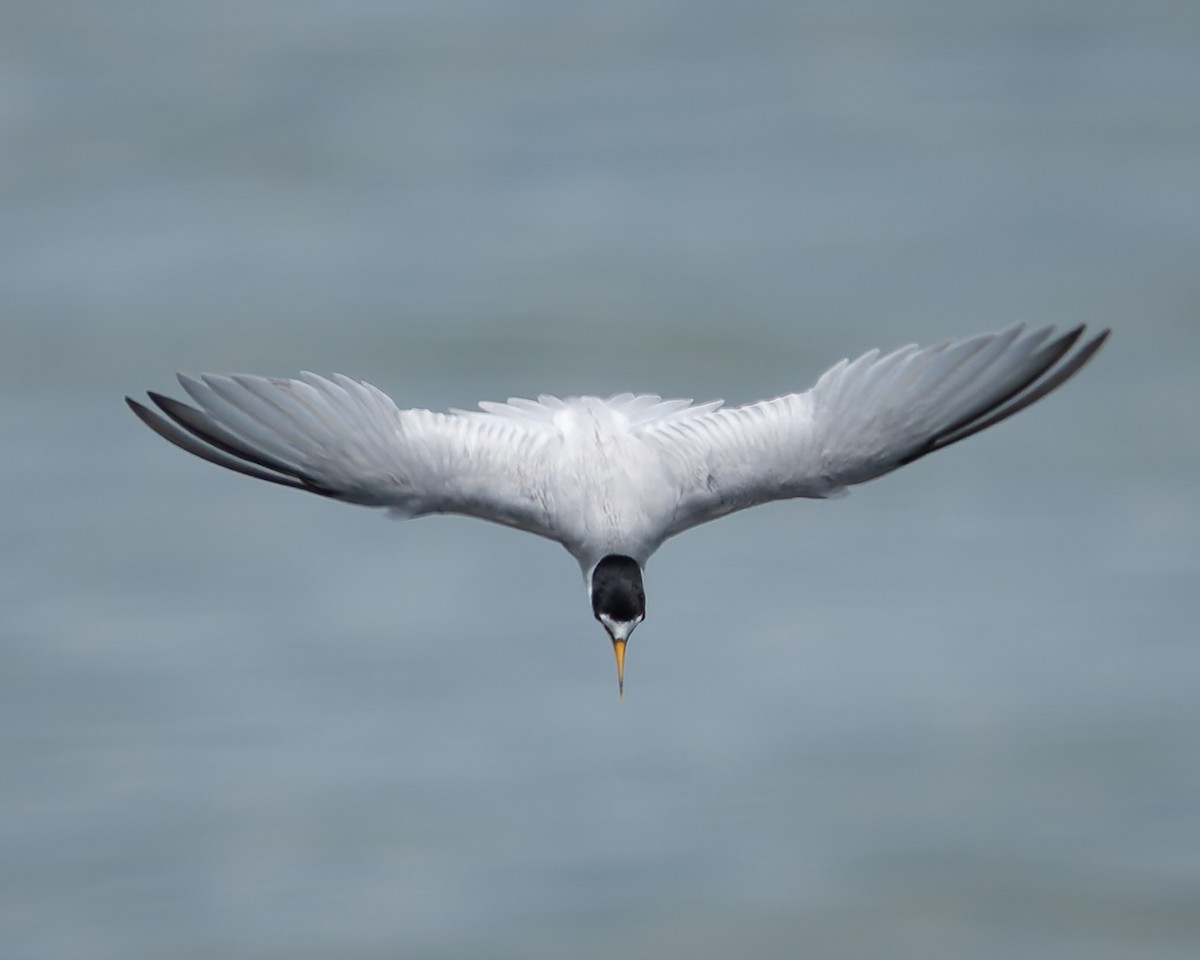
(611, 479)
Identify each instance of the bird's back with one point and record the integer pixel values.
(605, 487)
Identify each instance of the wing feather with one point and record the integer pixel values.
(208, 449)
(861, 420)
(347, 440)
(213, 433)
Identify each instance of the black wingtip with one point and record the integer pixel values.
(1060, 364)
(142, 412)
(183, 427)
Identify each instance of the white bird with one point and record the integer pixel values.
(612, 479)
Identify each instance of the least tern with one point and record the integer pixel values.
(611, 479)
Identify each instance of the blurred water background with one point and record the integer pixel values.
(955, 714)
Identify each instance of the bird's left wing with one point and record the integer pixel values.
(860, 421)
(347, 440)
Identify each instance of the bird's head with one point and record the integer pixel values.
(618, 602)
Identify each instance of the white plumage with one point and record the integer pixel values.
(615, 478)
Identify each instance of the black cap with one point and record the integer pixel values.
(617, 589)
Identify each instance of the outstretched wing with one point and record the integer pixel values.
(861, 420)
(347, 440)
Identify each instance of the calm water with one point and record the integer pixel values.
(952, 715)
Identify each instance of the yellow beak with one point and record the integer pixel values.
(619, 651)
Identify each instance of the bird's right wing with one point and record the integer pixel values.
(347, 440)
(861, 420)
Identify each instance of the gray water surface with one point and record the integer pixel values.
(952, 715)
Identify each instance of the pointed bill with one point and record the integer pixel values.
(619, 651)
